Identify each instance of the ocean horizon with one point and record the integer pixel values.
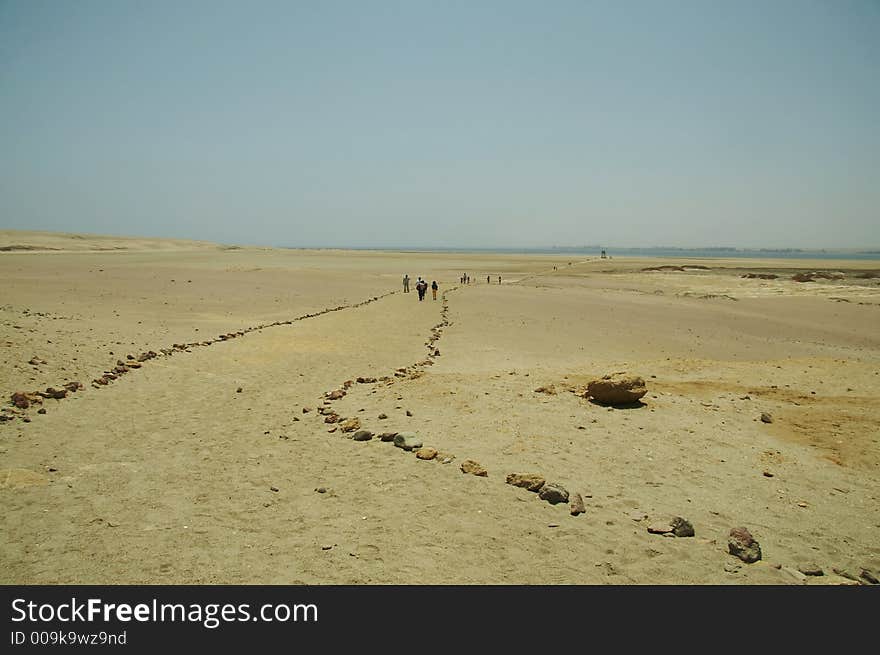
(660, 252)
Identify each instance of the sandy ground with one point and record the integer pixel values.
(201, 465)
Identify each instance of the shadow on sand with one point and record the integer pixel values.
(635, 405)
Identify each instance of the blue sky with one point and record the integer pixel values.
(509, 124)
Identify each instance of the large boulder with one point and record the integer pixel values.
(616, 389)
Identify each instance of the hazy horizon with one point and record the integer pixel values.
(458, 124)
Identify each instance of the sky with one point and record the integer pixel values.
(374, 123)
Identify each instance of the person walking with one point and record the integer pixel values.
(434, 289)
(488, 280)
(499, 279)
(421, 287)
(406, 283)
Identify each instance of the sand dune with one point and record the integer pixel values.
(201, 466)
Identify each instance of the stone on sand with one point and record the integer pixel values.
(530, 481)
(350, 425)
(742, 544)
(553, 493)
(362, 435)
(407, 440)
(426, 453)
(681, 527)
(616, 389)
(474, 468)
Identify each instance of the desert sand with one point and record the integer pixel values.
(210, 460)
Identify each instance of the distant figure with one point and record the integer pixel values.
(421, 287)
(603, 254)
(434, 289)
(467, 278)
(406, 283)
(499, 279)
(488, 280)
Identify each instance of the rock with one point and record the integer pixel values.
(407, 440)
(766, 418)
(408, 413)
(335, 394)
(811, 569)
(387, 436)
(366, 380)
(802, 277)
(616, 389)
(742, 544)
(73, 386)
(42, 410)
(553, 493)
(331, 418)
(768, 474)
(239, 390)
(637, 516)
(681, 527)
(321, 490)
(869, 577)
(20, 400)
(426, 453)
(844, 574)
(472, 467)
(275, 489)
(306, 410)
(660, 527)
(382, 417)
(549, 390)
(730, 567)
(362, 435)
(577, 505)
(350, 425)
(530, 481)
(58, 394)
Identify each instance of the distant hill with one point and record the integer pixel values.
(33, 241)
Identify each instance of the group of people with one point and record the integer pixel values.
(466, 279)
(421, 287)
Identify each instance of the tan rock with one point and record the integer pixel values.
(350, 425)
(530, 481)
(426, 453)
(617, 389)
(474, 468)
